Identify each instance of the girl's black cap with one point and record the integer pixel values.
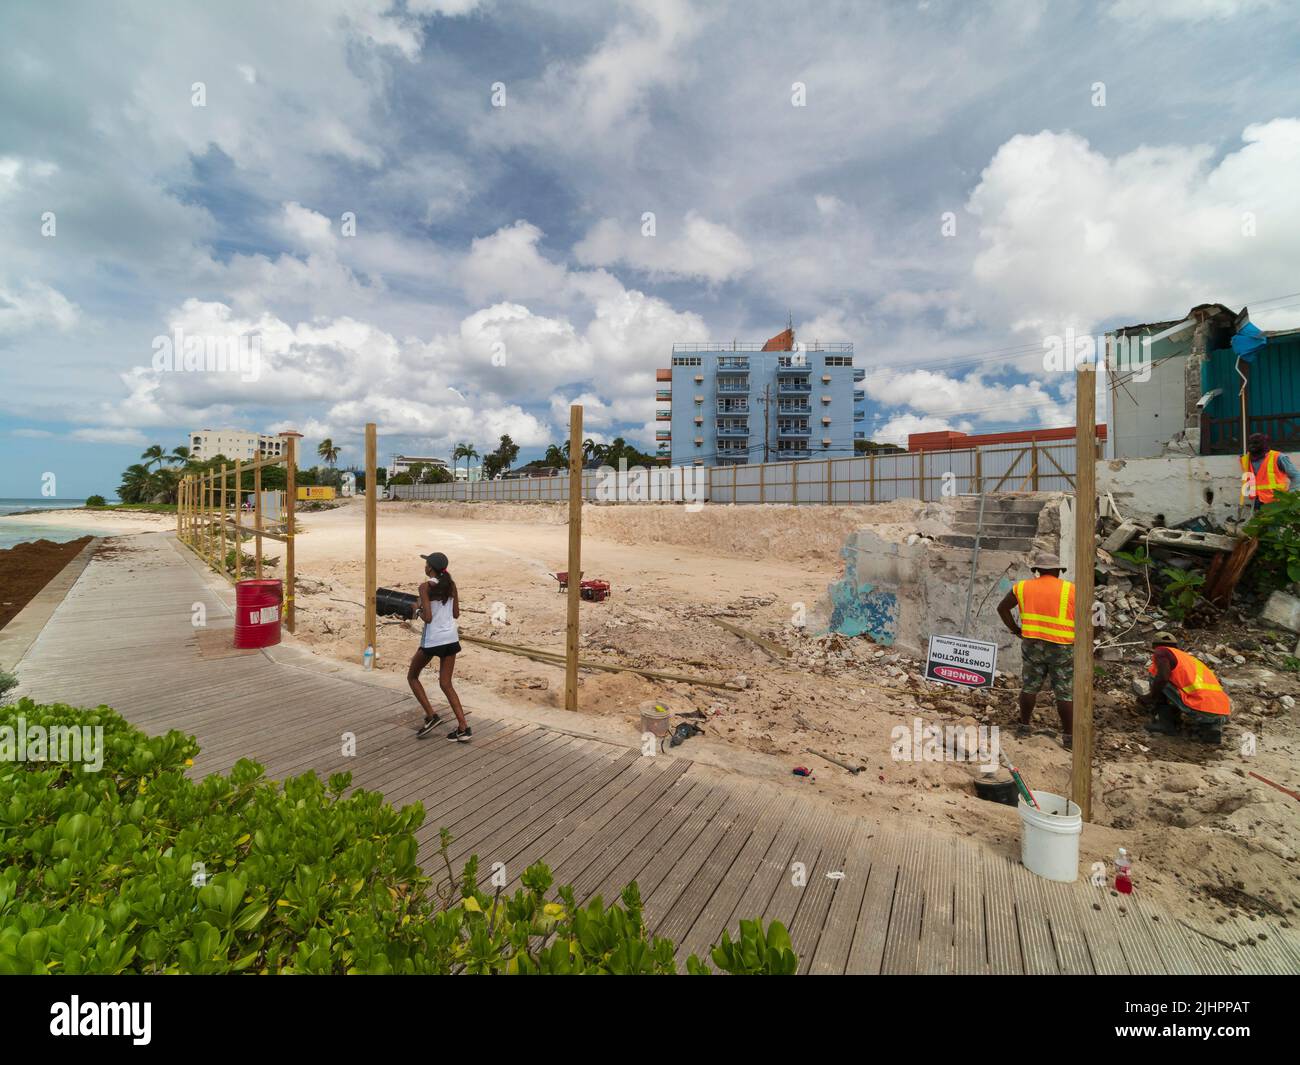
(437, 560)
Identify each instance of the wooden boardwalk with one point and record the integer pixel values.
(706, 848)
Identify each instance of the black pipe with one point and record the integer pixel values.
(391, 603)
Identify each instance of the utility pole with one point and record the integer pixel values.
(1085, 530)
(767, 398)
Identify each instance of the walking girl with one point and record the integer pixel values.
(439, 609)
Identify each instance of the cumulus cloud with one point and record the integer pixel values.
(34, 306)
(1071, 237)
(698, 248)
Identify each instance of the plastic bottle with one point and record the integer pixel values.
(368, 659)
(1123, 873)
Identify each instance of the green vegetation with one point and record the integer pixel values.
(96, 501)
(1277, 524)
(8, 682)
(501, 459)
(139, 869)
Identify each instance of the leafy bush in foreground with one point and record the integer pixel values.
(138, 868)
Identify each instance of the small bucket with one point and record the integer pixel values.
(1049, 841)
(655, 721)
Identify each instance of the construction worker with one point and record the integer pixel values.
(1184, 692)
(1046, 629)
(1264, 471)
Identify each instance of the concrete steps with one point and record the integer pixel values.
(1010, 523)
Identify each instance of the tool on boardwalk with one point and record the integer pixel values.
(854, 769)
(683, 732)
(802, 771)
(1025, 793)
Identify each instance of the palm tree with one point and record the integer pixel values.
(556, 456)
(466, 452)
(328, 451)
(180, 455)
(137, 483)
(154, 454)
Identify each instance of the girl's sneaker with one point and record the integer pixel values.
(460, 735)
(427, 727)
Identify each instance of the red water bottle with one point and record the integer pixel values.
(1123, 871)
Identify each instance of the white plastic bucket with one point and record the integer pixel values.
(1049, 842)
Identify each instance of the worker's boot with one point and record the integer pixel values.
(1165, 723)
(1210, 735)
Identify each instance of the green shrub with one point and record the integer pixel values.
(1277, 524)
(137, 868)
(8, 682)
(96, 501)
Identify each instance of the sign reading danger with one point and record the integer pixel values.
(957, 660)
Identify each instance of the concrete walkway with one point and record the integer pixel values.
(707, 848)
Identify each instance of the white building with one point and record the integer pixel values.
(234, 444)
(403, 463)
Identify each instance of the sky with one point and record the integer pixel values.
(454, 218)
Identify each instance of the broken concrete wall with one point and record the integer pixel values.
(901, 585)
(1172, 489)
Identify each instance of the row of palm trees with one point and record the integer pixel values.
(604, 454)
(157, 476)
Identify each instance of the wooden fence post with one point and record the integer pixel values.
(257, 516)
(1085, 527)
(290, 498)
(575, 559)
(239, 522)
(372, 564)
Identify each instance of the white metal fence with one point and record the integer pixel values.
(877, 478)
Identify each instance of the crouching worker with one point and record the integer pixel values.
(1184, 693)
(1046, 631)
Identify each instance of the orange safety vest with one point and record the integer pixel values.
(1196, 682)
(1270, 478)
(1046, 609)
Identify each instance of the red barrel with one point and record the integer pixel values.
(257, 612)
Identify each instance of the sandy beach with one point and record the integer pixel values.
(95, 522)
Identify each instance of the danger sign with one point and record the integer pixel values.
(961, 662)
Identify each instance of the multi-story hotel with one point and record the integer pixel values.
(234, 444)
(771, 402)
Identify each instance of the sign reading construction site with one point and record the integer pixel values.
(957, 660)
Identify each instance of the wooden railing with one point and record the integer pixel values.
(1222, 436)
(205, 525)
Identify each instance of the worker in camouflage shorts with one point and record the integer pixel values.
(1046, 630)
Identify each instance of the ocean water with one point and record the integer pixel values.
(14, 532)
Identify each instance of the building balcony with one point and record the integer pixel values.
(859, 375)
(793, 429)
(859, 416)
(663, 415)
(664, 395)
(663, 434)
(737, 386)
(786, 364)
(794, 406)
(792, 386)
(732, 460)
(859, 395)
(664, 375)
(733, 406)
(733, 364)
(858, 434)
(797, 451)
(733, 430)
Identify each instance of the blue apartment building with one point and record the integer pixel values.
(748, 402)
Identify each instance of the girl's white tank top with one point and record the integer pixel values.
(441, 628)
